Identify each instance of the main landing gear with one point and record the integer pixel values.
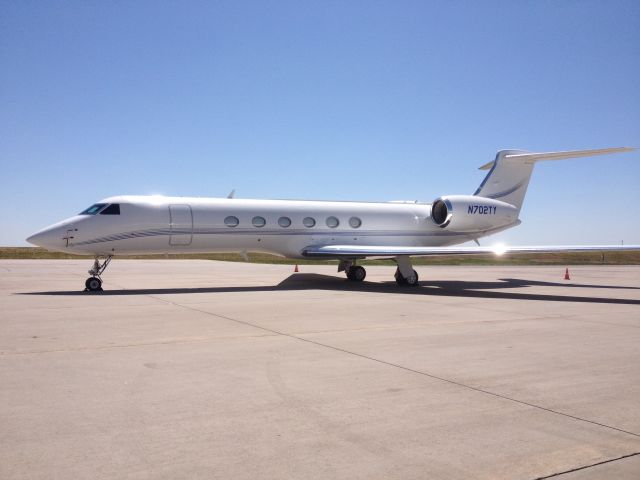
(405, 275)
(354, 272)
(410, 281)
(94, 282)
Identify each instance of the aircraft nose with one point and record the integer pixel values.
(45, 238)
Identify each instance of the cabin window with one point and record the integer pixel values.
(258, 222)
(113, 209)
(355, 222)
(309, 222)
(332, 222)
(284, 222)
(93, 209)
(231, 221)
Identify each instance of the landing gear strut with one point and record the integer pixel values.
(94, 282)
(355, 273)
(405, 275)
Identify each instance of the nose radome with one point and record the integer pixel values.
(43, 238)
(56, 237)
(51, 238)
(33, 239)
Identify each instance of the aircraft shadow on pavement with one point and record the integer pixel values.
(442, 288)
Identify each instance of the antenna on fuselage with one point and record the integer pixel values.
(232, 193)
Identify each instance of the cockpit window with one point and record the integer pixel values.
(93, 209)
(113, 209)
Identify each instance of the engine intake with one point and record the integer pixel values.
(441, 212)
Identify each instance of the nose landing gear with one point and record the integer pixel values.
(94, 282)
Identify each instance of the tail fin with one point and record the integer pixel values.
(510, 172)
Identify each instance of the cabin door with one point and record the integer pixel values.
(180, 224)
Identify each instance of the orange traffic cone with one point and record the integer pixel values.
(295, 270)
(566, 274)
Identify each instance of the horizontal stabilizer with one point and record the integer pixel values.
(530, 157)
(361, 251)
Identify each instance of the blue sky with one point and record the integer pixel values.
(371, 100)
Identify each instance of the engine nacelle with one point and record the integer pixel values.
(468, 213)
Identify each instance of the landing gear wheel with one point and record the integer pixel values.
(410, 281)
(356, 274)
(93, 284)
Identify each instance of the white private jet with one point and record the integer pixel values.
(347, 231)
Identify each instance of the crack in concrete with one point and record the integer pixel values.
(587, 466)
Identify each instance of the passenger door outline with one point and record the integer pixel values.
(180, 225)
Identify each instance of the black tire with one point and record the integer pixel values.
(407, 282)
(413, 281)
(93, 284)
(400, 280)
(357, 273)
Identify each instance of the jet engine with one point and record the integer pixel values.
(469, 213)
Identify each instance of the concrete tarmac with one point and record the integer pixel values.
(200, 369)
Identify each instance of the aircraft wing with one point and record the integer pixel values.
(361, 251)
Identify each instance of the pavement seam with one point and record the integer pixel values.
(402, 367)
(587, 466)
